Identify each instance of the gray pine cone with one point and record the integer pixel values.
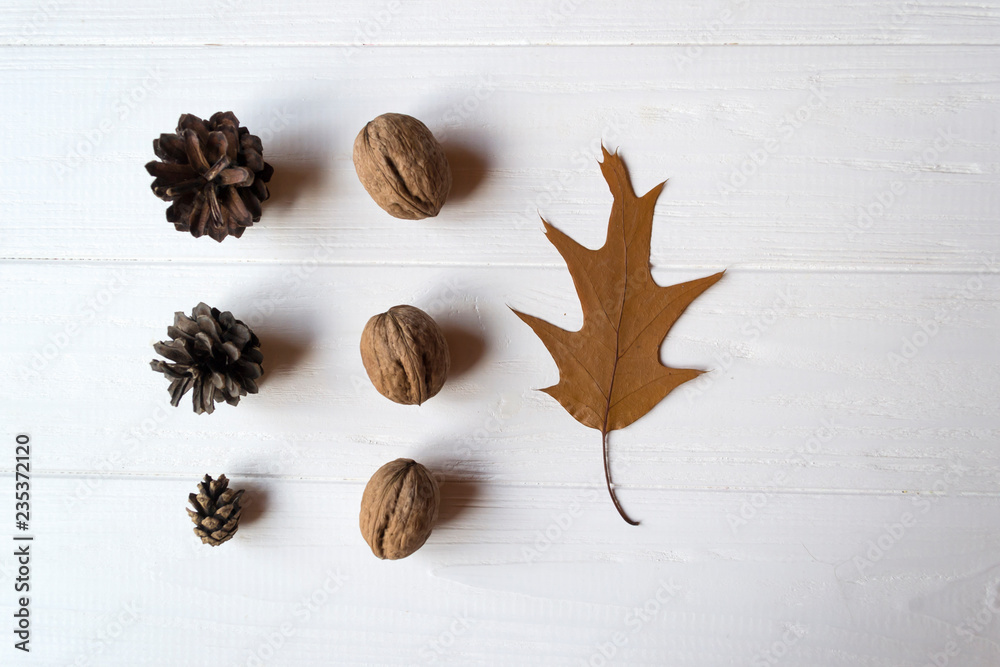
(214, 353)
(216, 513)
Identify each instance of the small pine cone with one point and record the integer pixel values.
(216, 512)
(214, 353)
(214, 173)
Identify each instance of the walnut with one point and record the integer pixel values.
(402, 166)
(405, 354)
(398, 509)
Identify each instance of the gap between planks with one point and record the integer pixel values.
(903, 269)
(771, 490)
(497, 45)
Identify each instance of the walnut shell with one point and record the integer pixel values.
(405, 354)
(402, 166)
(398, 509)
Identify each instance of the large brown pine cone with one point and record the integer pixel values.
(214, 173)
(214, 353)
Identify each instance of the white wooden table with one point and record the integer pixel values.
(827, 496)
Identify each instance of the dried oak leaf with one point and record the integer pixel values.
(610, 372)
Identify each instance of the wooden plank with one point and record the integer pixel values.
(862, 382)
(747, 187)
(537, 578)
(452, 22)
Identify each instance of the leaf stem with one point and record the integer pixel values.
(607, 478)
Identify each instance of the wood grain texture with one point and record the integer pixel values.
(790, 354)
(827, 495)
(751, 184)
(549, 577)
(517, 22)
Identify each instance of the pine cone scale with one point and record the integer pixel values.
(231, 351)
(237, 211)
(170, 148)
(216, 169)
(251, 202)
(192, 150)
(170, 170)
(178, 388)
(236, 176)
(249, 371)
(200, 215)
(176, 353)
